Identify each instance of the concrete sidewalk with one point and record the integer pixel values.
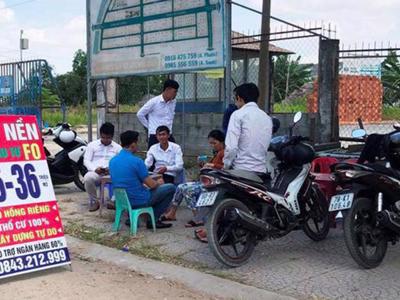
(195, 280)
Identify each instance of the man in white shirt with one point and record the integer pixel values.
(159, 111)
(249, 132)
(166, 156)
(97, 157)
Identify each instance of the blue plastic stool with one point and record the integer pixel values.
(107, 186)
(122, 203)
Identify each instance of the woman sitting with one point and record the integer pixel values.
(191, 191)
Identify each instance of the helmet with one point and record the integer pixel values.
(298, 154)
(67, 136)
(393, 149)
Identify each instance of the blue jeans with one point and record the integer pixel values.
(161, 199)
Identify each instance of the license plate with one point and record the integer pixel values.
(341, 202)
(207, 199)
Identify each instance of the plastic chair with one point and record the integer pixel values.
(122, 203)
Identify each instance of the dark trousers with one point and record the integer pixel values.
(153, 140)
(160, 200)
(168, 178)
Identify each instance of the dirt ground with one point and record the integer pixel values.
(92, 280)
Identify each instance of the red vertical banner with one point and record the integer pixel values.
(31, 232)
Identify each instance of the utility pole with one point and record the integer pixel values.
(264, 79)
(23, 44)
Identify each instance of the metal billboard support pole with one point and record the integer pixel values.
(88, 72)
(228, 58)
(264, 65)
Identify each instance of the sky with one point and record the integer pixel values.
(57, 28)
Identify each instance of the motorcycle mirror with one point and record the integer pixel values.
(358, 133)
(297, 117)
(396, 126)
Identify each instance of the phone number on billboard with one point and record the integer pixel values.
(28, 262)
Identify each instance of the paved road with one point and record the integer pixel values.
(293, 266)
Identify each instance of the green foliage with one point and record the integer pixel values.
(391, 79)
(391, 113)
(79, 63)
(49, 98)
(73, 88)
(132, 89)
(299, 104)
(289, 75)
(72, 85)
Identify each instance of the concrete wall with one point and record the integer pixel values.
(191, 130)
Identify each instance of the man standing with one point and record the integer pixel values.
(159, 111)
(166, 156)
(130, 173)
(96, 159)
(249, 132)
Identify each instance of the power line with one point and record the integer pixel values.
(17, 4)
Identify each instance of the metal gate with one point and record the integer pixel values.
(21, 88)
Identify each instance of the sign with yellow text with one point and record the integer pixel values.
(31, 234)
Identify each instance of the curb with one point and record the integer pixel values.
(193, 279)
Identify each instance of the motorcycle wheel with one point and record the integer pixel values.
(231, 244)
(365, 242)
(80, 172)
(316, 223)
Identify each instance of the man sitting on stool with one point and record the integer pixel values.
(166, 156)
(97, 156)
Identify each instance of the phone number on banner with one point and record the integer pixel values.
(33, 261)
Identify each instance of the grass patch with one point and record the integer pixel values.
(391, 113)
(296, 105)
(138, 247)
(75, 115)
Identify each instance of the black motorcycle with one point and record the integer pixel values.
(67, 165)
(370, 198)
(247, 207)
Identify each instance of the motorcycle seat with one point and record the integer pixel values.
(383, 170)
(251, 178)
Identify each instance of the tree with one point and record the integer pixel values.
(289, 75)
(72, 85)
(79, 63)
(391, 79)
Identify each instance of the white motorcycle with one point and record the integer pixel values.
(247, 209)
(67, 165)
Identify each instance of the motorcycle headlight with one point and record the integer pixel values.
(209, 180)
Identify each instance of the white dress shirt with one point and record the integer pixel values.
(157, 112)
(98, 155)
(247, 139)
(171, 158)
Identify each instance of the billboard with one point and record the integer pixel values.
(137, 37)
(31, 233)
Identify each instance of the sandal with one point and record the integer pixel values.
(201, 235)
(192, 223)
(164, 218)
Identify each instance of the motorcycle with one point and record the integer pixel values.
(370, 198)
(67, 165)
(246, 209)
